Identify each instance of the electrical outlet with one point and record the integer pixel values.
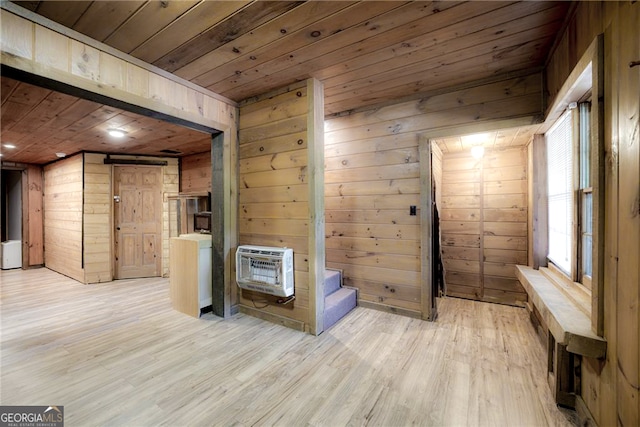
(412, 210)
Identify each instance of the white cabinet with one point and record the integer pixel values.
(190, 273)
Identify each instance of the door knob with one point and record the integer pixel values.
(116, 199)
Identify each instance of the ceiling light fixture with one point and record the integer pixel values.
(116, 133)
(9, 146)
(61, 155)
(477, 151)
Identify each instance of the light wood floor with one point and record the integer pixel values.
(117, 354)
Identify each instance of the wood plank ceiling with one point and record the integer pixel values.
(40, 123)
(367, 54)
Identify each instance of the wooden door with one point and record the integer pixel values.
(138, 221)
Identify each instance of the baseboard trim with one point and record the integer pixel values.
(273, 318)
(395, 310)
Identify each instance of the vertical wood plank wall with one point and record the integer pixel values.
(195, 173)
(63, 217)
(484, 224)
(609, 387)
(274, 192)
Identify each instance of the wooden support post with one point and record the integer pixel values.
(220, 299)
(315, 153)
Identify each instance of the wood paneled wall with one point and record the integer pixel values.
(98, 219)
(610, 387)
(275, 189)
(372, 178)
(195, 173)
(370, 235)
(98, 214)
(484, 224)
(54, 52)
(63, 195)
(436, 166)
(32, 216)
(71, 58)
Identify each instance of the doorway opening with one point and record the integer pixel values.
(483, 206)
(11, 219)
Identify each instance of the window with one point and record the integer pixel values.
(560, 192)
(569, 182)
(585, 196)
(570, 200)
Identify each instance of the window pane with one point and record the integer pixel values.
(560, 182)
(587, 233)
(585, 144)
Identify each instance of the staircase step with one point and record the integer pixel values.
(331, 281)
(337, 305)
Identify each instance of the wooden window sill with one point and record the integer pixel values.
(564, 310)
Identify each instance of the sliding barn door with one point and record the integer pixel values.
(138, 221)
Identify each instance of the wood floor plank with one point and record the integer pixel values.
(117, 354)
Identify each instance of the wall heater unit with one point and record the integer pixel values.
(265, 269)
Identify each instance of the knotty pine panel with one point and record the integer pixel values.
(387, 187)
(369, 186)
(63, 232)
(368, 154)
(97, 212)
(274, 189)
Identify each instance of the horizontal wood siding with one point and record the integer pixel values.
(372, 177)
(63, 198)
(98, 219)
(273, 191)
(369, 185)
(484, 216)
(504, 217)
(460, 222)
(195, 173)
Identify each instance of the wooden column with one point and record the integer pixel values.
(315, 153)
(220, 299)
